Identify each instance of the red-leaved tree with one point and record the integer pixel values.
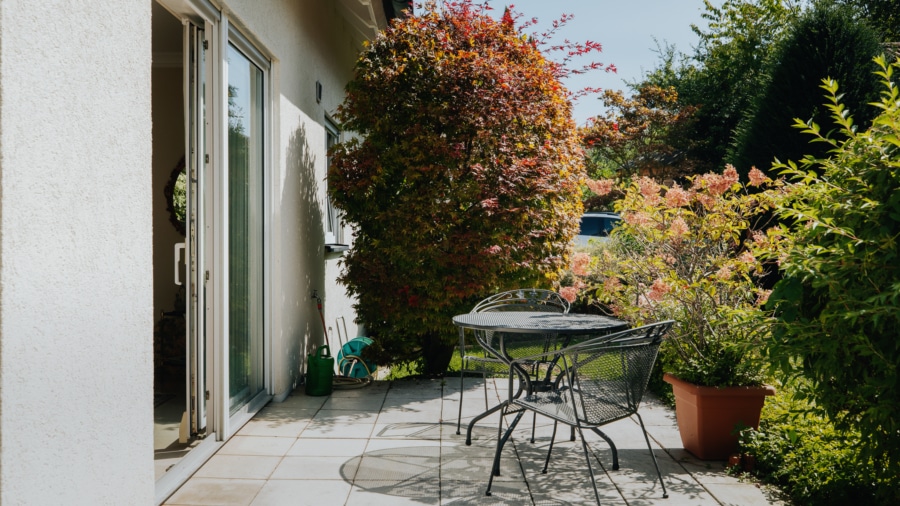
(464, 180)
(640, 136)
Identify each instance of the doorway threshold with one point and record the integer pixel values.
(179, 473)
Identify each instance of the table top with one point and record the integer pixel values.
(529, 322)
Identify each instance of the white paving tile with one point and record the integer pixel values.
(737, 494)
(258, 445)
(391, 444)
(260, 427)
(216, 492)
(361, 403)
(302, 493)
(432, 415)
(238, 467)
(457, 492)
(316, 468)
(310, 447)
(394, 493)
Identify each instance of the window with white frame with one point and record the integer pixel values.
(334, 230)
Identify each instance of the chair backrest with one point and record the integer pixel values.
(523, 299)
(608, 375)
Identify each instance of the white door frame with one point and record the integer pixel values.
(229, 34)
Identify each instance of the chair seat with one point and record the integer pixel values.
(550, 404)
(605, 406)
(484, 366)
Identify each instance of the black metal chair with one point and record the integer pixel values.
(602, 380)
(476, 360)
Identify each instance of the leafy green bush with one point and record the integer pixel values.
(837, 308)
(802, 452)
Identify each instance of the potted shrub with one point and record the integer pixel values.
(682, 254)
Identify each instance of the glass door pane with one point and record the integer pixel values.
(245, 228)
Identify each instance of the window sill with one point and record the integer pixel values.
(336, 248)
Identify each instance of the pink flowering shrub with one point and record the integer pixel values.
(683, 253)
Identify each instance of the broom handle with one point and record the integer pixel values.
(322, 318)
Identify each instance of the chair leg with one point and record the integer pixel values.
(489, 412)
(463, 365)
(461, 390)
(587, 456)
(484, 379)
(461, 393)
(612, 446)
(533, 426)
(549, 450)
(652, 455)
(501, 441)
(475, 420)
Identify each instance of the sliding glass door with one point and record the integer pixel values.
(246, 155)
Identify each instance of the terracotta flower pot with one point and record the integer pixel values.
(708, 416)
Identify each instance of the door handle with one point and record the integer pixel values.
(179, 247)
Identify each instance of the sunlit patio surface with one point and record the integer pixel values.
(395, 443)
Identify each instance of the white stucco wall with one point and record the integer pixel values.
(309, 42)
(76, 326)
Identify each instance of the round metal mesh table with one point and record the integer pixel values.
(527, 322)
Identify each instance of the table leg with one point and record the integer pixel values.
(462, 353)
(489, 412)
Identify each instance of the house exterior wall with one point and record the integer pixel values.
(76, 374)
(309, 42)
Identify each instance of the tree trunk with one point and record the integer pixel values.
(436, 355)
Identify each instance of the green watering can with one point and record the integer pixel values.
(320, 372)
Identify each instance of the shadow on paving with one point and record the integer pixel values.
(456, 474)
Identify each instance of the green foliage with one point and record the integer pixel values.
(801, 451)
(725, 73)
(827, 42)
(465, 179)
(837, 305)
(883, 15)
(682, 254)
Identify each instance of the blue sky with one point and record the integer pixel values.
(625, 28)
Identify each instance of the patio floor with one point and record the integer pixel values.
(395, 443)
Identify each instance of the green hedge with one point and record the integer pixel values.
(801, 452)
